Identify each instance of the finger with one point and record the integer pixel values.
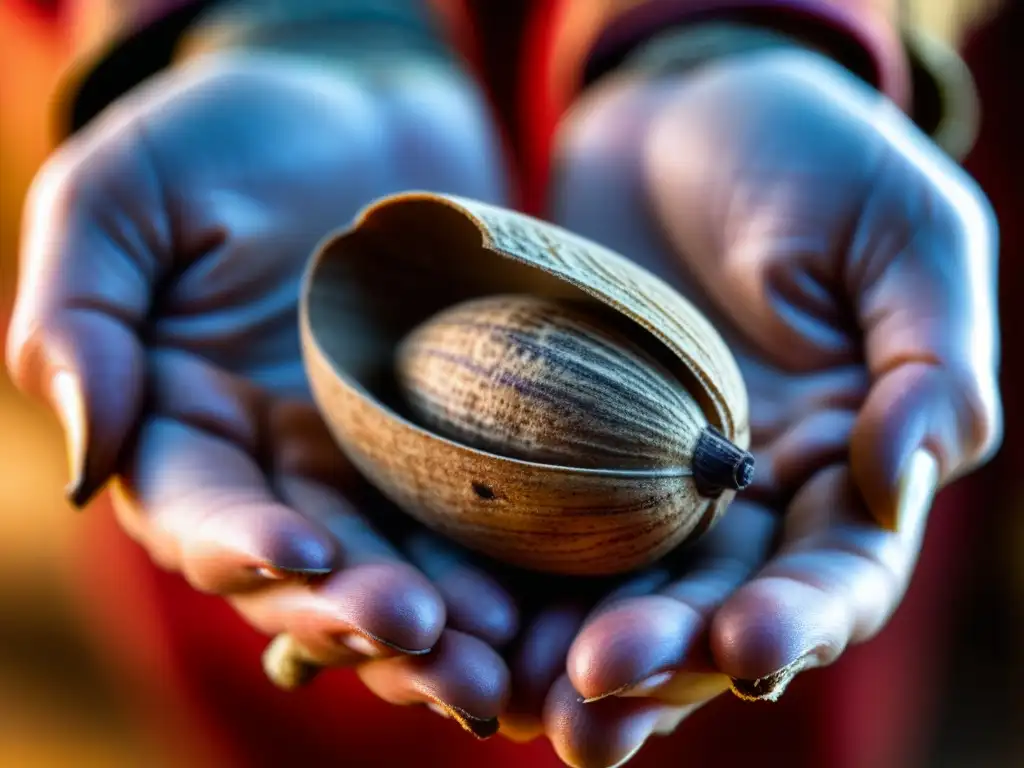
(925, 277)
(203, 507)
(374, 604)
(95, 239)
(461, 678)
(536, 661)
(372, 611)
(476, 603)
(653, 642)
(538, 658)
(919, 267)
(814, 440)
(835, 580)
(599, 735)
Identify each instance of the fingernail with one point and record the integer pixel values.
(771, 687)
(362, 645)
(644, 687)
(638, 689)
(280, 573)
(69, 403)
(482, 728)
(303, 555)
(285, 664)
(914, 494)
(379, 644)
(682, 688)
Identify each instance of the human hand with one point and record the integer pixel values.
(157, 315)
(851, 267)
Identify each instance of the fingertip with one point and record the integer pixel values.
(482, 671)
(391, 602)
(250, 544)
(918, 406)
(476, 603)
(630, 642)
(770, 624)
(89, 371)
(462, 677)
(599, 735)
(747, 639)
(67, 397)
(539, 656)
(891, 423)
(478, 606)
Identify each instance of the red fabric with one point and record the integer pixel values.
(48, 12)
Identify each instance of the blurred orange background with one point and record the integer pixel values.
(60, 703)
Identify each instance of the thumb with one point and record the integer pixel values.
(87, 267)
(928, 311)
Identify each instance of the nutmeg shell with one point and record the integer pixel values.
(408, 259)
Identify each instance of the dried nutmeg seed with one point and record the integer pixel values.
(556, 382)
(522, 390)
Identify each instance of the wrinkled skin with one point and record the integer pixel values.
(163, 249)
(847, 262)
(851, 266)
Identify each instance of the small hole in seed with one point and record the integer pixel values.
(483, 491)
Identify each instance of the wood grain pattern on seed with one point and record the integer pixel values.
(579, 463)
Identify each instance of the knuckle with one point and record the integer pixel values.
(981, 416)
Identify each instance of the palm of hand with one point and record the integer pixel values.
(791, 211)
(199, 201)
(255, 165)
(221, 190)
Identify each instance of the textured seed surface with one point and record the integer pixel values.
(542, 407)
(548, 381)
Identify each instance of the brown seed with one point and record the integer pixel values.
(547, 381)
(519, 389)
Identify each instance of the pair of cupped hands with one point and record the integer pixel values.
(847, 261)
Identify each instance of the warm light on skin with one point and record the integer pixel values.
(978, 235)
(38, 533)
(34, 525)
